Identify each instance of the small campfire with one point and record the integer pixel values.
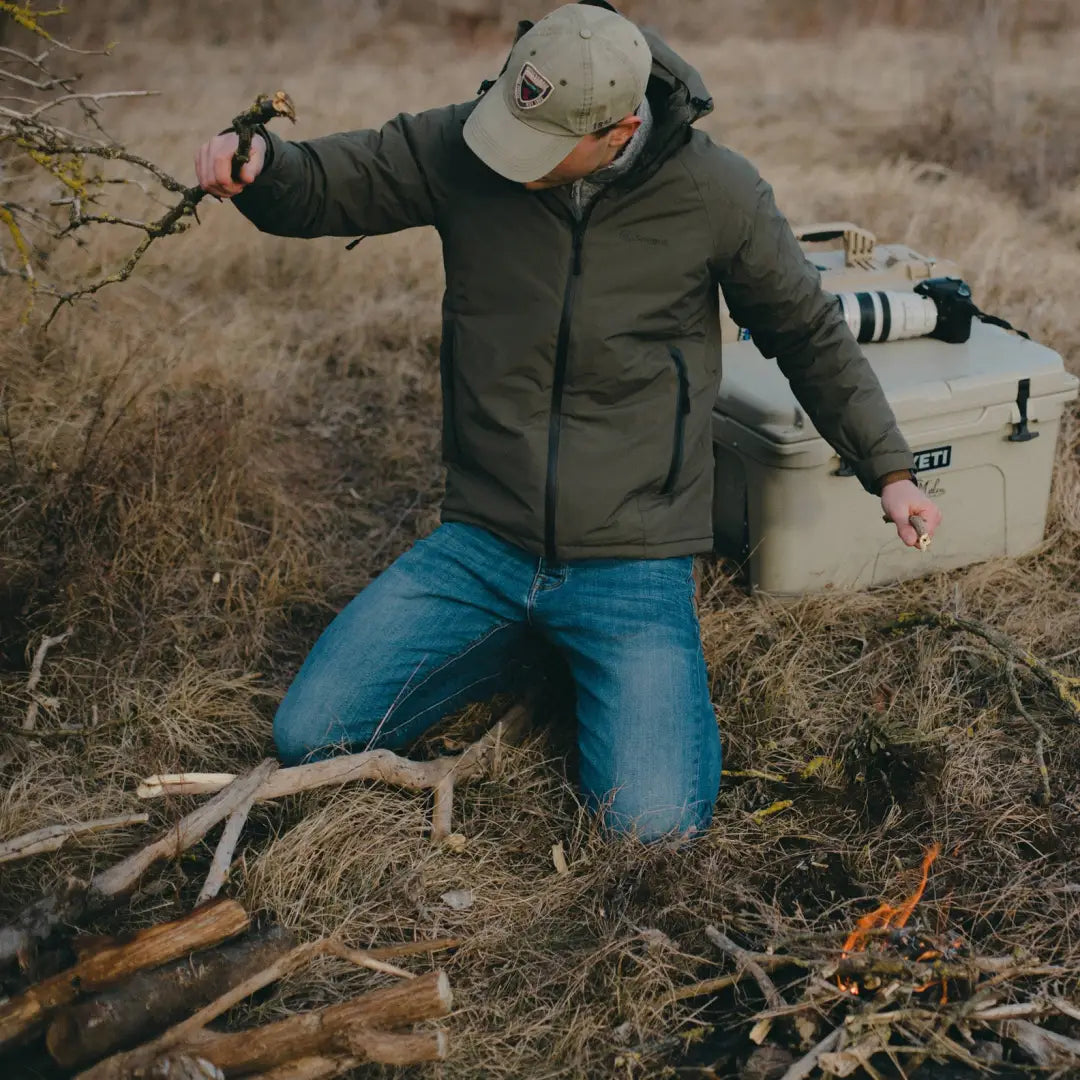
(887, 925)
(893, 994)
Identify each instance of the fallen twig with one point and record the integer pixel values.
(47, 643)
(802, 1068)
(438, 775)
(1066, 688)
(746, 959)
(118, 879)
(53, 837)
(40, 919)
(723, 982)
(223, 853)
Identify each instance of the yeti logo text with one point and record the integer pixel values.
(531, 88)
(938, 458)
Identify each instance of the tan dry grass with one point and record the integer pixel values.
(267, 411)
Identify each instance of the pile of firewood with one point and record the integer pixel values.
(140, 1008)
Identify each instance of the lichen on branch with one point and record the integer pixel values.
(62, 172)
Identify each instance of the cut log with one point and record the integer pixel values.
(53, 837)
(24, 1015)
(40, 919)
(438, 775)
(368, 1046)
(323, 1033)
(151, 1001)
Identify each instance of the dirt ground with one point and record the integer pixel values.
(200, 466)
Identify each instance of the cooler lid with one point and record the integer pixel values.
(921, 377)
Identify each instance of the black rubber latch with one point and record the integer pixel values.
(1020, 432)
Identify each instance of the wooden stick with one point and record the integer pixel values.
(223, 853)
(189, 830)
(919, 525)
(313, 1034)
(24, 1015)
(438, 775)
(414, 948)
(1046, 1047)
(749, 961)
(802, 1068)
(370, 765)
(1065, 687)
(30, 720)
(377, 1046)
(53, 837)
(714, 986)
(152, 1000)
(122, 1065)
(321, 1031)
(40, 919)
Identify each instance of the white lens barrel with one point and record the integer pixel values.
(888, 316)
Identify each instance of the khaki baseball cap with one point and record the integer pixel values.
(576, 71)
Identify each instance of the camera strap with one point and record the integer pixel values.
(993, 320)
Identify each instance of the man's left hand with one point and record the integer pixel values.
(902, 500)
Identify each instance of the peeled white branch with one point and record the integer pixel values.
(438, 775)
(53, 837)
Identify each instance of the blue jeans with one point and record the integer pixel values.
(442, 627)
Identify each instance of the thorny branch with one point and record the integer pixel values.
(82, 162)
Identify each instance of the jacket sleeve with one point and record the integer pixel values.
(774, 292)
(354, 183)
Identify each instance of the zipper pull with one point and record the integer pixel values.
(578, 238)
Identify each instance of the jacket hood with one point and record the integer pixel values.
(687, 96)
(676, 87)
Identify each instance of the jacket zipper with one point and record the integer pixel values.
(562, 353)
(682, 410)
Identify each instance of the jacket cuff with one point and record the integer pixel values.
(871, 471)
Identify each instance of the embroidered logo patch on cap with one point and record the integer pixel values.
(531, 88)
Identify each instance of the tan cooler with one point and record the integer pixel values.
(982, 419)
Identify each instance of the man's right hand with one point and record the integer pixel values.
(213, 164)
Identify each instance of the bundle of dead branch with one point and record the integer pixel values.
(149, 1016)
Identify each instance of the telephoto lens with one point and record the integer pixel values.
(888, 316)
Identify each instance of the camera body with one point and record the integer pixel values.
(955, 308)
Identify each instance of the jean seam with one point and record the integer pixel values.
(474, 644)
(702, 678)
(441, 701)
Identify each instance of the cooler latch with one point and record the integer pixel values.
(1020, 432)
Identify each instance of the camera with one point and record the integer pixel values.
(941, 308)
(955, 308)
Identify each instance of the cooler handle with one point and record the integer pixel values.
(859, 243)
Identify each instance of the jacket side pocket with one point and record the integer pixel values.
(451, 452)
(682, 410)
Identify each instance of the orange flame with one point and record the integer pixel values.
(886, 916)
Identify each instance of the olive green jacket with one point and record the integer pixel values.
(580, 359)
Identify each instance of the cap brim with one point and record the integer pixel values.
(508, 145)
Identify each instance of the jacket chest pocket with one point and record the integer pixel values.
(682, 410)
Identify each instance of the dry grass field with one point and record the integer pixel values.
(200, 466)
